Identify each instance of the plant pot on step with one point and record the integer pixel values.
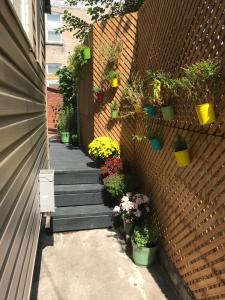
(206, 113)
(168, 113)
(156, 144)
(150, 110)
(114, 114)
(65, 137)
(144, 256)
(114, 82)
(87, 53)
(182, 158)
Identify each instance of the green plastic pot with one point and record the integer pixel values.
(114, 114)
(65, 137)
(144, 256)
(87, 53)
(168, 113)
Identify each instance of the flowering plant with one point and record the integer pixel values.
(104, 147)
(132, 207)
(112, 166)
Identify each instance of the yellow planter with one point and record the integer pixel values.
(182, 158)
(114, 82)
(206, 114)
(138, 108)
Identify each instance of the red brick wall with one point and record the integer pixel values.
(54, 101)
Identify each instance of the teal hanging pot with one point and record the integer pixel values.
(150, 110)
(156, 144)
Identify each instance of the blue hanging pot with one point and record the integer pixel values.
(150, 110)
(156, 144)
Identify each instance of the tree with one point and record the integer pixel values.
(66, 84)
(99, 10)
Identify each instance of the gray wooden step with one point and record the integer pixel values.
(81, 217)
(77, 177)
(82, 194)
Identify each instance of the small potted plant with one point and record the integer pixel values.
(133, 93)
(114, 105)
(181, 152)
(111, 52)
(154, 136)
(200, 84)
(65, 121)
(87, 53)
(112, 76)
(115, 185)
(145, 243)
(164, 89)
(99, 94)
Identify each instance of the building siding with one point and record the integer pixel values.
(23, 149)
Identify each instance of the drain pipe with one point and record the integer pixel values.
(78, 118)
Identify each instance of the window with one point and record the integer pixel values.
(53, 22)
(53, 68)
(53, 83)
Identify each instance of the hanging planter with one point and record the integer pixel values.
(168, 112)
(181, 152)
(114, 114)
(156, 144)
(65, 137)
(99, 94)
(138, 108)
(114, 109)
(87, 53)
(114, 83)
(206, 113)
(150, 110)
(112, 76)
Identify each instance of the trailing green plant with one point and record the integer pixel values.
(99, 10)
(66, 84)
(180, 144)
(111, 52)
(133, 91)
(146, 236)
(66, 119)
(98, 89)
(115, 185)
(77, 64)
(111, 74)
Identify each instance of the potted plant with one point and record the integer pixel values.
(112, 76)
(181, 152)
(111, 52)
(114, 105)
(150, 110)
(164, 89)
(87, 53)
(201, 80)
(65, 120)
(145, 243)
(112, 166)
(115, 185)
(133, 93)
(103, 147)
(99, 94)
(154, 136)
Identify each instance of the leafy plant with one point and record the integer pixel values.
(111, 74)
(66, 84)
(133, 91)
(180, 144)
(104, 147)
(74, 139)
(112, 166)
(98, 89)
(99, 10)
(114, 105)
(115, 185)
(112, 51)
(66, 119)
(146, 236)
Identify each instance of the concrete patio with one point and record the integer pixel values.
(94, 265)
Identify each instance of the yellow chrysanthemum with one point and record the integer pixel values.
(104, 147)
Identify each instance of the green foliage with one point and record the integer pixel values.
(66, 119)
(114, 105)
(99, 10)
(77, 64)
(111, 52)
(98, 89)
(111, 74)
(145, 236)
(138, 138)
(133, 90)
(115, 185)
(180, 144)
(66, 84)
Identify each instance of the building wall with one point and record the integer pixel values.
(23, 147)
(55, 101)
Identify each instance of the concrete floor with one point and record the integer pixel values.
(94, 265)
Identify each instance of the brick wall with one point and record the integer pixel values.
(54, 101)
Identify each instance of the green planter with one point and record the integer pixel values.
(144, 256)
(87, 53)
(65, 137)
(168, 113)
(114, 114)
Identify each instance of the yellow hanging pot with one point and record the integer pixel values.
(114, 82)
(206, 113)
(183, 158)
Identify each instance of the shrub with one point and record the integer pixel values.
(104, 147)
(112, 166)
(66, 119)
(115, 185)
(146, 236)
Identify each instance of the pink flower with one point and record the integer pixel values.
(116, 209)
(125, 199)
(139, 201)
(146, 199)
(129, 194)
(138, 213)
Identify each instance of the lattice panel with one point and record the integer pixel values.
(190, 201)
